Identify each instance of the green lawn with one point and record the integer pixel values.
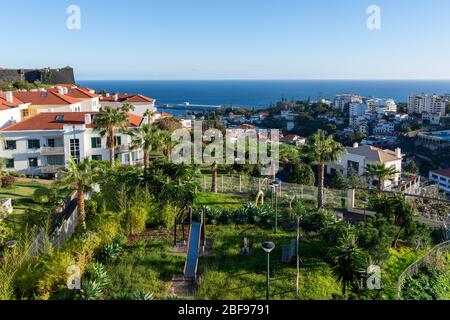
(223, 200)
(147, 266)
(226, 274)
(25, 209)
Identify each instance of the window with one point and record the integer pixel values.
(97, 157)
(75, 149)
(96, 143)
(34, 144)
(11, 145)
(76, 109)
(51, 143)
(353, 165)
(25, 113)
(59, 117)
(33, 162)
(118, 140)
(10, 164)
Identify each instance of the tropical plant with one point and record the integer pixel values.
(107, 122)
(111, 252)
(381, 172)
(145, 138)
(79, 177)
(322, 150)
(97, 280)
(348, 261)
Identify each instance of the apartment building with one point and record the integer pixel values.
(90, 101)
(424, 103)
(384, 127)
(381, 106)
(358, 157)
(141, 103)
(44, 143)
(442, 179)
(341, 100)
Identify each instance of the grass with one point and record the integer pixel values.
(25, 209)
(147, 266)
(227, 275)
(223, 200)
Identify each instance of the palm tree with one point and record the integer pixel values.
(321, 150)
(145, 138)
(348, 261)
(80, 177)
(108, 121)
(127, 107)
(149, 113)
(381, 172)
(167, 144)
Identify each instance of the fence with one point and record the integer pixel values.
(432, 258)
(65, 225)
(252, 185)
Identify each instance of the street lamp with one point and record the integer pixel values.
(268, 247)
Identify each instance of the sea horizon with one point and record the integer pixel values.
(260, 93)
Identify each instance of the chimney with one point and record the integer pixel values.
(356, 145)
(87, 119)
(65, 90)
(116, 97)
(60, 90)
(9, 96)
(398, 153)
(108, 95)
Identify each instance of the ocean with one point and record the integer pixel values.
(260, 93)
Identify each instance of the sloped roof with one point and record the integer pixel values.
(127, 98)
(374, 154)
(49, 121)
(442, 172)
(44, 98)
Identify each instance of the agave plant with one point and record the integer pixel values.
(111, 252)
(97, 280)
(144, 296)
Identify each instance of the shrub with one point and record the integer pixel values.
(8, 181)
(317, 220)
(93, 288)
(42, 195)
(137, 219)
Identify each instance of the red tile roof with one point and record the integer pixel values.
(45, 98)
(165, 115)
(48, 121)
(127, 98)
(77, 93)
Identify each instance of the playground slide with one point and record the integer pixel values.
(190, 268)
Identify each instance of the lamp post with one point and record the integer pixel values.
(268, 247)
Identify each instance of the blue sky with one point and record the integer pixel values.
(230, 39)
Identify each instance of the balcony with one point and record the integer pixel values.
(51, 169)
(122, 149)
(52, 151)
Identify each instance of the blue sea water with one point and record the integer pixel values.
(260, 93)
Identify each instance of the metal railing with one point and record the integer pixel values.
(433, 258)
(49, 151)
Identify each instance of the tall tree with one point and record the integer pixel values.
(145, 138)
(150, 114)
(79, 177)
(107, 122)
(322, 150)
(381, 172)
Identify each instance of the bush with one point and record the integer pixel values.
(111, 252)
(161, 216)
(42, 196)
(8, 181)
(249, 214)
(137, 219)
(317, 220)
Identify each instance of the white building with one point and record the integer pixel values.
(442, 179)
(341, 100)
(141, 103)
(90, 101)
(384, 127)
(381, 106)
(358, 157)
(426, 104)
(43, 144)
(10, 109)
(432, 118)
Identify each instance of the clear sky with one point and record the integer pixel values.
(230, 39)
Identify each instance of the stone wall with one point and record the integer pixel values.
(45, 76)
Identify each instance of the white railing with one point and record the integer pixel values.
(49, 151)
